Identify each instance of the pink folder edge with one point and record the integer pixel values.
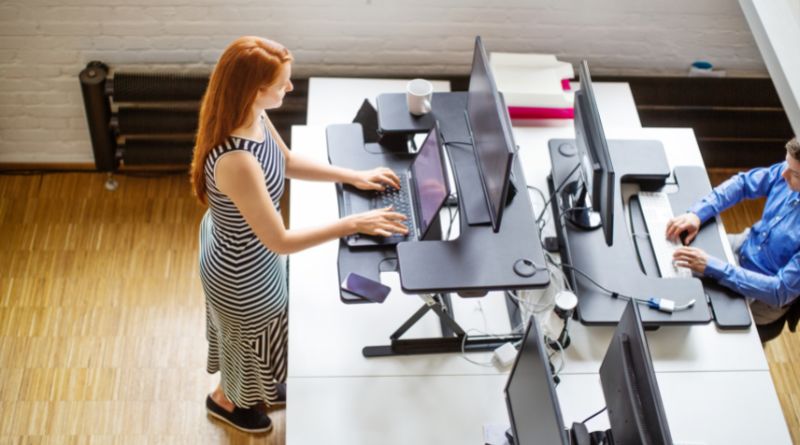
(540, 113)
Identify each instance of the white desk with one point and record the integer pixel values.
(347, 328)
(338, 396)
(707, 408)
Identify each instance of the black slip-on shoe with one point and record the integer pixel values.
(249, 420)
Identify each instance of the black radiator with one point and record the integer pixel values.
(141, 118)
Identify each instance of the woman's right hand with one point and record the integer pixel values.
(688, 222)
(379, 222)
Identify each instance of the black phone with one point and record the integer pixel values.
(366, 288)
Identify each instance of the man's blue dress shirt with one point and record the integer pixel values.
(770, 256)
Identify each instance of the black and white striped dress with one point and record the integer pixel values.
(245, 286)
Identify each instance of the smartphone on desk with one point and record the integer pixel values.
(365, 288)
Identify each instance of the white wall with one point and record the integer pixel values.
(45, 43)
(795, 4)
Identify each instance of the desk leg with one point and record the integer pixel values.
(452, 339)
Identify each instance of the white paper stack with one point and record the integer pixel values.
(534, 85)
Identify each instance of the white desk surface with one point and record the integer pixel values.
(715, 385)
(708, 408)
(335, 100)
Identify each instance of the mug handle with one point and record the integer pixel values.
(426, 106)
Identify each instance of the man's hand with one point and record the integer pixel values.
(688, 222)
(375, 179)
(691, 258)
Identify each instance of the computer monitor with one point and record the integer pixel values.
(531, 395)
(635, 410)
(589, 201)
(490, 129)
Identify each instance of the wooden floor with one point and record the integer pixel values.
(102, 324)
(102, 316)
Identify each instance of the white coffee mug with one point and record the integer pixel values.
(419, 93)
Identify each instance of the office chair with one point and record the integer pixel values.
(769, 331)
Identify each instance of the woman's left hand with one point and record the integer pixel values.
(375, 179)
(691, 258)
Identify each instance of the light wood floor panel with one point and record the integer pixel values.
(102, 316)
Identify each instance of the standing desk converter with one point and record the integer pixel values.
(628, 266)
(479, 260)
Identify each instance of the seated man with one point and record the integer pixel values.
(768, 253)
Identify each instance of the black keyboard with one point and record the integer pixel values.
(400, 200)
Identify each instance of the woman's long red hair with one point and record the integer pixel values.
(248, 64)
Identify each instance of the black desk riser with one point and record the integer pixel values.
(628, 266)
(479, 260)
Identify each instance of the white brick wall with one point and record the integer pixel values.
(45, 43)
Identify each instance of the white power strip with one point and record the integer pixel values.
(505, 355)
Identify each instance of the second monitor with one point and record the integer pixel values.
(490, 129)
(588, 202)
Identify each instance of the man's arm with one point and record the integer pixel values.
(776, 290)
(751, 184)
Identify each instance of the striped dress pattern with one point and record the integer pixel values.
(245, 285)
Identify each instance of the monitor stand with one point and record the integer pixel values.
(578, 206)
(616, 267)
(578, 435)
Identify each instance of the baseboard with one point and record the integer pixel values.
(88, 166)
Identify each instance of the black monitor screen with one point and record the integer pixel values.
(491, 134)
(597, 169)
(635, 410)
(531, 396)
(430, 181)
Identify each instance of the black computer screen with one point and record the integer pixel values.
(635, 410)
(596, 166)
(491, 134)
(430, 180)
(531, 396)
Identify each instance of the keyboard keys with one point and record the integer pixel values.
(399, 200)
(657, 212)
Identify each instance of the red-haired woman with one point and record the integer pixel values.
(238, 170)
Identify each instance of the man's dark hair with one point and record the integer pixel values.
(793, 148)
